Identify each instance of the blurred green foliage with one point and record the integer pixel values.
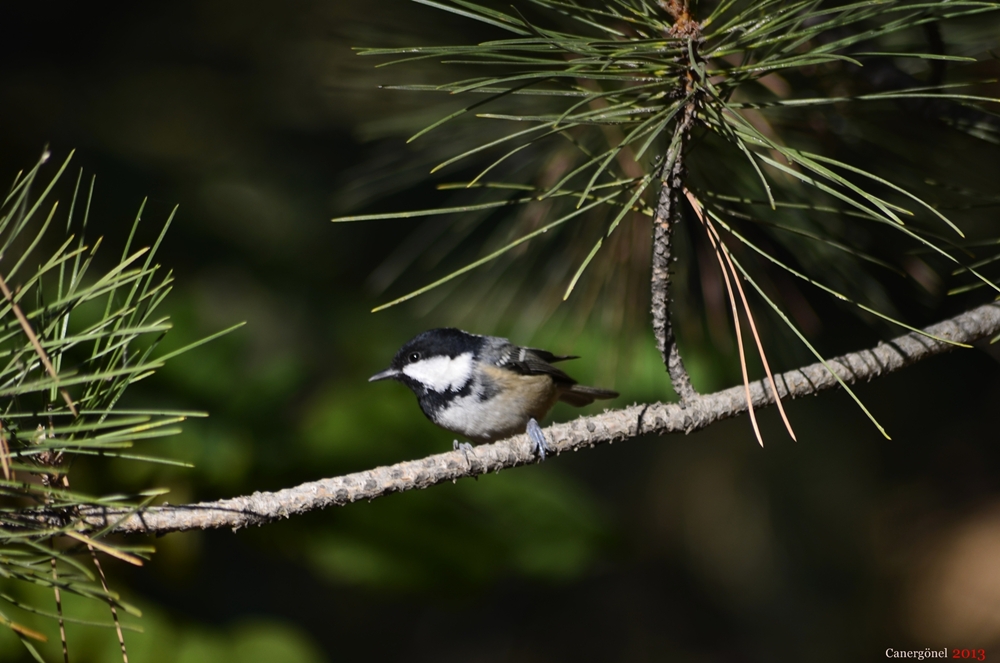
(158, 638)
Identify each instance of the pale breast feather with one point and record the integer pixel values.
(513, 400)
(478, 420)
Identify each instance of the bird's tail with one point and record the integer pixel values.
(579, 395)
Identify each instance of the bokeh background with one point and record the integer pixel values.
(261, 123)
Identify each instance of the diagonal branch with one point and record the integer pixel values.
(611, 426)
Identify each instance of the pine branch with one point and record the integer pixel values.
(668, 209)
(668, 214)
(609, 427)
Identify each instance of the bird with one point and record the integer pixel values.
(485, 388)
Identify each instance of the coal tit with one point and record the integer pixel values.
(485, 387)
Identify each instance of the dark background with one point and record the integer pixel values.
(259, 121)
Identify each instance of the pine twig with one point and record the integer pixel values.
(585, 432)
(668, 214)
(668, 209)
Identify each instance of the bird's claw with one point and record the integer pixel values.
(538, 442)
(465, 448)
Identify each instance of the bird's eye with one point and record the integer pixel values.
(414, 356)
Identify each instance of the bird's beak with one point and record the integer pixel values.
(387, 374)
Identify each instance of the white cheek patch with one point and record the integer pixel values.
(442, 373)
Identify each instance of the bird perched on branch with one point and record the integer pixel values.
(485, 387)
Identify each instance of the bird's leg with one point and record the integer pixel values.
(465, 448)
(537, 438)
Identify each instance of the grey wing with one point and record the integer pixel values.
(547, 356)
(531, 361)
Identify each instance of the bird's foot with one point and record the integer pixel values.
(465, 448)
(537, 438)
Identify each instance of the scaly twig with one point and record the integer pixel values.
(668, 214)
(609, 427)
(668, 210)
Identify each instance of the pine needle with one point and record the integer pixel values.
(714, 236)
(717, 250)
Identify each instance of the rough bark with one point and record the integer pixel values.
(611, 426)
(668, 214)
(668, 210)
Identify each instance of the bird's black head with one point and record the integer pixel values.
(438, 361)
